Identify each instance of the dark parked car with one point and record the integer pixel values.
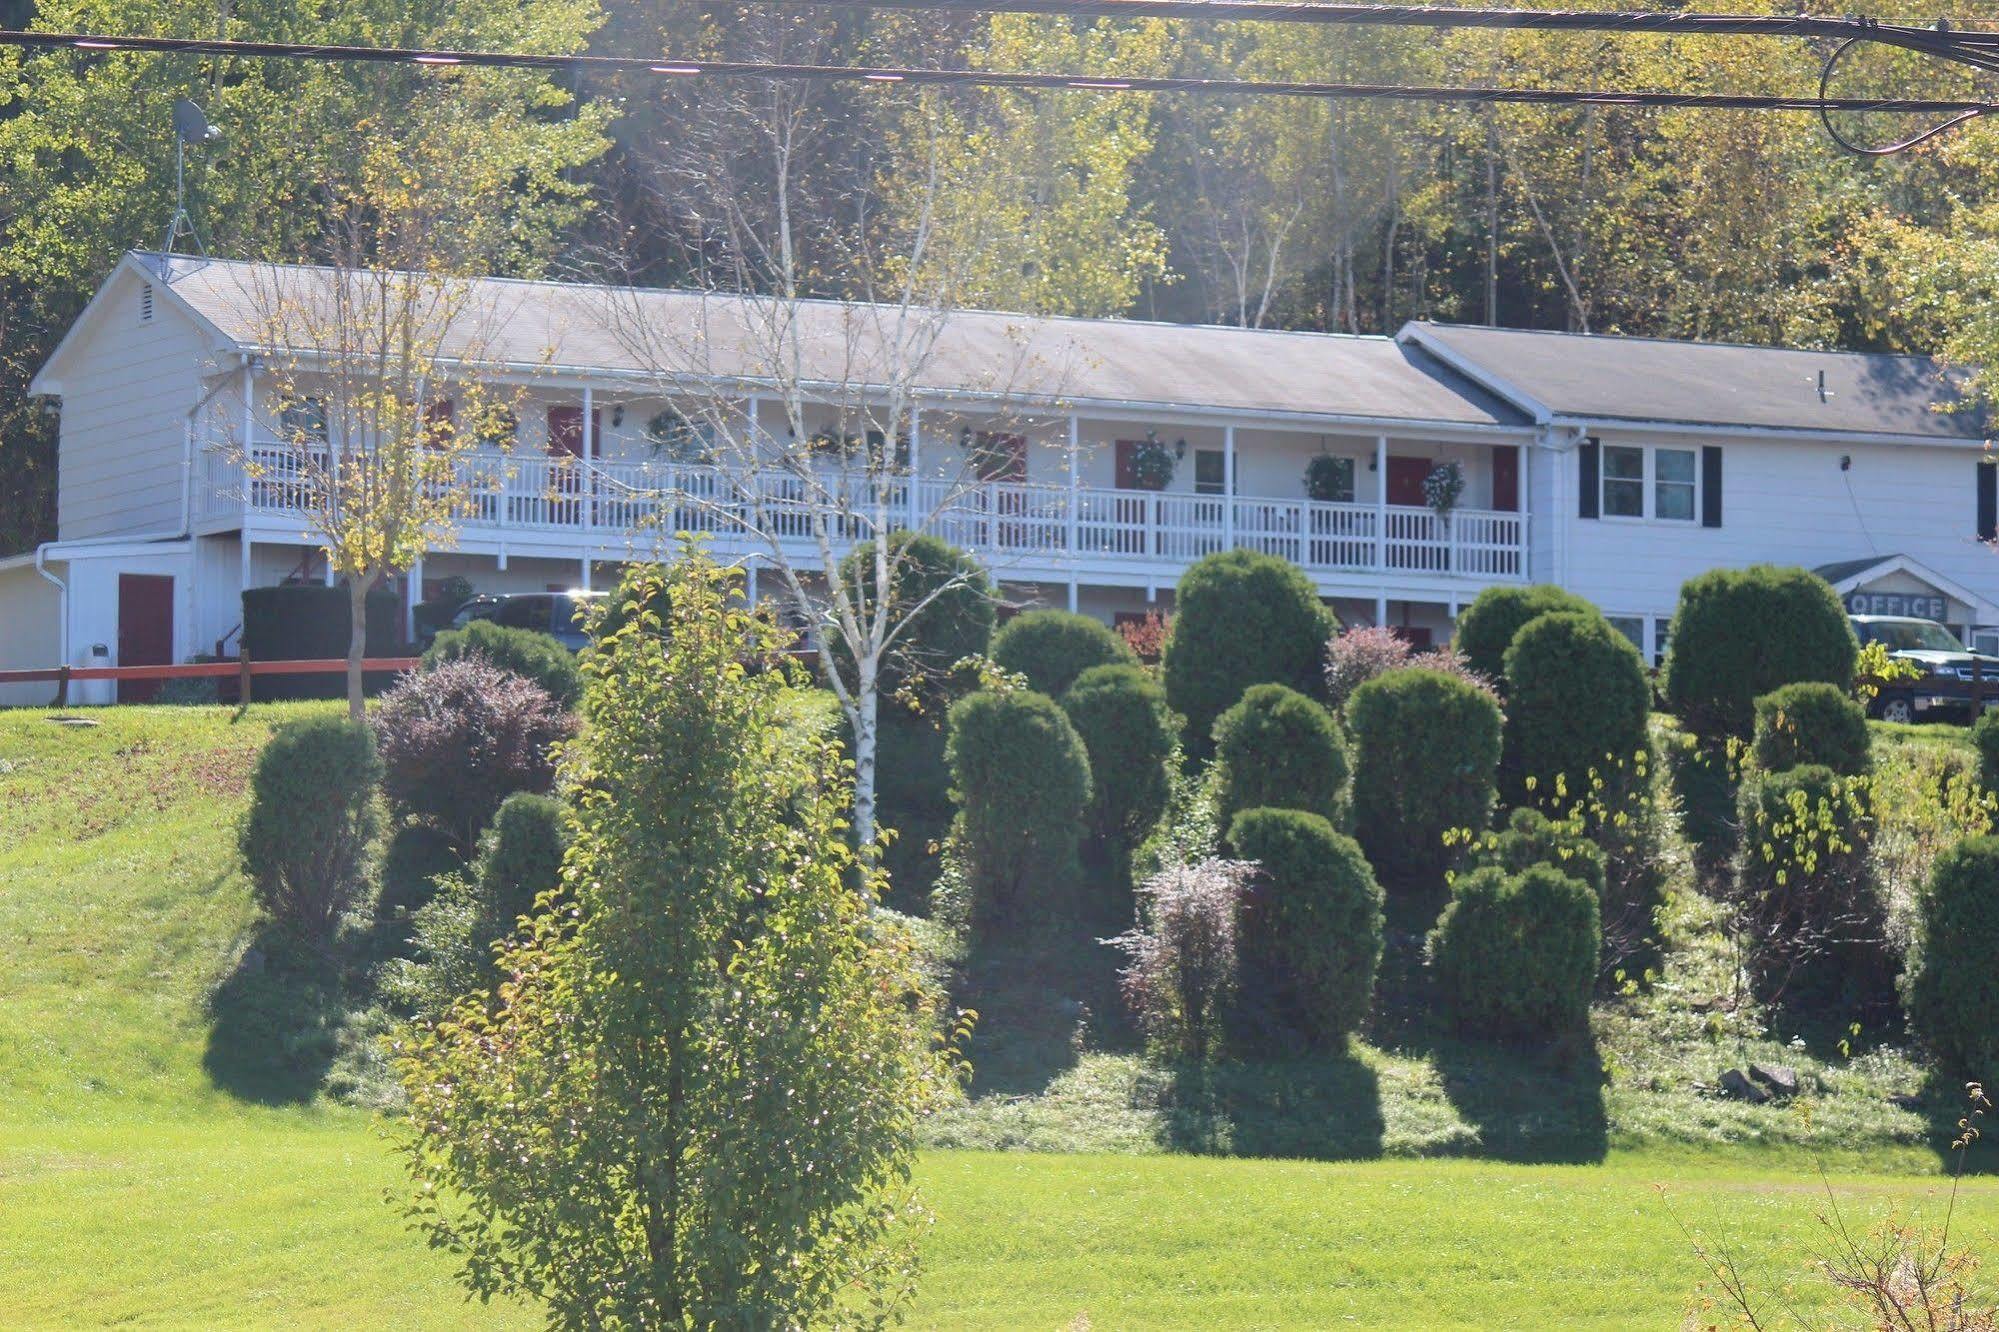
(1950, 669)
(557, 614)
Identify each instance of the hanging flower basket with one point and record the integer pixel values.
(1443, 487)
(1329, 479)
(1153, 462)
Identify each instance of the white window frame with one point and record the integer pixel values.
(1644, 630)
(1649, 480)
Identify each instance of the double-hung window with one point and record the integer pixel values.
(1657, 483)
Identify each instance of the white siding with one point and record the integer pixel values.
(30, 608)
(1786, 503)
(124, 408)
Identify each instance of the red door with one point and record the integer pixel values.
(1127, 465)
(145, 630)
(565, 439)
(1405, 480)
(1506, 478)
(1001, 457)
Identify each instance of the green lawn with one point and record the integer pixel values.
(134, 1188)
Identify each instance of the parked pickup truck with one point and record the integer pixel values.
(1952, 672)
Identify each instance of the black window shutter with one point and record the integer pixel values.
(1710, 485)
(1988, 501)
(1589, 461)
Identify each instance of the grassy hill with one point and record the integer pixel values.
(144, 1180)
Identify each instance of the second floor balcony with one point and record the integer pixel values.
(1021, 529)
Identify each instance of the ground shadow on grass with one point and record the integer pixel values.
(1040, 1005)
(276, 1023)
(1533, 1104)
(1325, 1108)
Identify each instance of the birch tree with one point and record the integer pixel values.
(810, 416)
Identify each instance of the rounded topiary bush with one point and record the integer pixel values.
(1740, 633)
(1021, 778)
(1951, 988)
(1051, 648)
(457, 740)
(956, 597)
(1515, 954)
(1577, 699)
(311, 818)
(1485, 629)
(1120, 712)
(912, 796)
(1531, 838)
(1309, 934)
(1241, 618)
(523, 652)
(520, 857)
(1278, 749)
(1985, 735)
(1811, 723)
(1425, 758)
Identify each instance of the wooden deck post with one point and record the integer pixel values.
(242, 675)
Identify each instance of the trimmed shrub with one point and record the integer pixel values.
(1952, 988)
(1515, 954)
(1051, 648)
(1811, 723)
(1277, 749)
(1309, 935)
(1804, 902)
(1531, 838)
(956, 622)
(458, 740)
(1577, 700)
(1486, 628)
(1740, 633)
(1425, 758)
(1120, 713)
(912, 796)
(1241, 618)
(1181, 979)
(1985, 735)
(538, 657)
(1021, 778)
(310, 822)
(520, 857)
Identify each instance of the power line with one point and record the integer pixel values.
(1957, 109)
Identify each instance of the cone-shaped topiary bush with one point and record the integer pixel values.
(1241, 618)
(1515, 954)
(1278, 749)
(1051, 648)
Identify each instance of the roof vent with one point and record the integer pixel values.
(145, 302)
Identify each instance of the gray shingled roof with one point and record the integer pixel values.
(1595, 377)
(1082, 361)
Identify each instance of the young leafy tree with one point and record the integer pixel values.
(694, 1102)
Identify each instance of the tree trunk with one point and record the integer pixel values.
(867, 727)
(357, 644)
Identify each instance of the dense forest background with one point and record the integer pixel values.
(1348, 217)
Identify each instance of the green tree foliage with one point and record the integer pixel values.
(1811, 723)
(1985, 736)
(1486, 627)
(913, 794)
(1426, 752)
(1740, 633)
(949, 613)
(1515, 954)
(1531, 838)
(90, 160)
(1951, 988)
(1278, 749)
(1577, 702)
(311, 819)
(1241, 618)
(1021, 777)
(695, 1101)
(454, 933)
(1051, 648)
(1121, 715)
(1309, 935)
(523, 652)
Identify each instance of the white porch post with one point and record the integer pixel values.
(1074, 500)
(243, 561)
(1381, 610)
(249, 428)
(412, 593)
(589, 470)
(1381, 505)
(326, 574)
(1520, 469)
(915, 504)
(750, 581)
(1228, 487)
(586, 573)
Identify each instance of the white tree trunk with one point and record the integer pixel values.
(867, 724)
(357, 645)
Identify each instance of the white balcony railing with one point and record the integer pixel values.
(1034, 524)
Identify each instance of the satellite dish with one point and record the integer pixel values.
(191, 125)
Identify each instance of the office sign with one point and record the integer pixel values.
(1914, 604)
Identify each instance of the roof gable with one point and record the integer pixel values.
(119, 286)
